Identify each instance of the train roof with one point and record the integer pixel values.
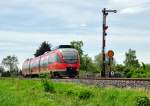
(57, 47)
(63, 46)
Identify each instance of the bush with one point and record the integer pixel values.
(142, 101)
(70, 93)
(6, 74)
(45, 75)
(85, 94)
(48, 87)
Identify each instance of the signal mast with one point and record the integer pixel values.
(104, 28)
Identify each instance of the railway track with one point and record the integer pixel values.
(104, 82)
(127, 79)
(117, 82)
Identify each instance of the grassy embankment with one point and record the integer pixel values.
(16, 92)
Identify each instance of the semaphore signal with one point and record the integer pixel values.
(104, 28)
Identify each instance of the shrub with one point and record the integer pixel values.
(142, 101)
(45, 75)
(85, 94)
(48, 87)
(70, 93)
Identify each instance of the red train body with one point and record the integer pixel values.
(60, 62)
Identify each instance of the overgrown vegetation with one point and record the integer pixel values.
(19, 92)
(142, 101)
(85, 94)
(48, 87)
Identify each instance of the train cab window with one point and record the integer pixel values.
(70, 57)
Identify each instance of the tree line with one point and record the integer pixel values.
(131, 66)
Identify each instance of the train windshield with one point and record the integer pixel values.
(70, 57)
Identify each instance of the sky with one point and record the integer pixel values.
(25, 24)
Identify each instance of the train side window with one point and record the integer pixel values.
(34, 64)
(41, 62)
(45, 62)
(37, 63)
(31, 65)
(50, 60)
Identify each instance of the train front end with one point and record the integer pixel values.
(71, 61)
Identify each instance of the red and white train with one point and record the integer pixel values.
(62, 61)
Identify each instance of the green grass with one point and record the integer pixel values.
(20, 92)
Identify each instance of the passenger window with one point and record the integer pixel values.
(50, 60)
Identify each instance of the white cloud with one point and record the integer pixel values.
(69, 11)
(130, 6)
(21, 15)
(83, 25)
(133, 10)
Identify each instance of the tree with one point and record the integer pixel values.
(119, 68)
(98, 60)
(78, 46)
(1, 69)
(147, 67)
(88, 65)
(131, 59)
(11, 62)
(143, 66)
(44, 47)
(86, 62)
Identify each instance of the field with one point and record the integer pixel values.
(21, 92)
